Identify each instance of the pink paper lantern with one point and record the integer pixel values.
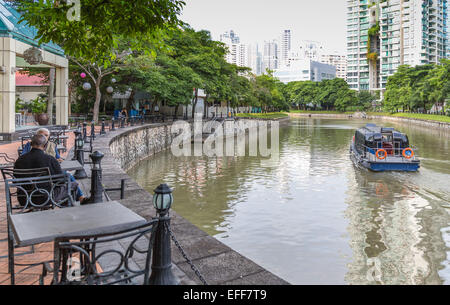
(83, 75)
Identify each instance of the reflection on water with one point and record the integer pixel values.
(312, 217)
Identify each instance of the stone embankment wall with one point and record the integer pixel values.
(132, 146)
(426, 123)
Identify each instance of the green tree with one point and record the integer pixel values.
(97, 30)
(365, 100)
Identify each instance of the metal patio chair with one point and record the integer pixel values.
(76, 258)
(30, 191)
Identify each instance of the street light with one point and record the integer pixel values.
(162, 255)
(79, 153)
(162, 198)
(79, 141)
(96, 177)
(87, 86)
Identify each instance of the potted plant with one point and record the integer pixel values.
(39, 108)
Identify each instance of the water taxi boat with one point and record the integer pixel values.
(383, 149)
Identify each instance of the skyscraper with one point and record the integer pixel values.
(270, 57)
(310, 49)
(384, 34)
(238, 53)
(255, 59)
(337, 60)
(231, 36)
(285, 47)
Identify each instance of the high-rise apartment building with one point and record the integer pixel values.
(238, 53)
(447, 29)
(384, 34)
(255, 59)
(285, 47)
(310, 49)
(231, 36)
(270, 55)
(337, 60)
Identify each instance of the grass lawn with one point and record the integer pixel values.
(429, 117)
(270, 115)
(276, 115)
(322, 112)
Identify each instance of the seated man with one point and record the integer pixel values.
(37, 158)
(50, 147)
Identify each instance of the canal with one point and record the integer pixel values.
(311, 217)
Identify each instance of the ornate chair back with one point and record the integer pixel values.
(36, 189)
(76, 257)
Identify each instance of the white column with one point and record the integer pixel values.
(7, 85)
(62, 96)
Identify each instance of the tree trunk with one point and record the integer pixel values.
(195, 102)
(104, 103)
(98, 97)
(51, 89)
(130, 102)
(176, 111)
(205, 107)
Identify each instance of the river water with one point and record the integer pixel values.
(312, 217)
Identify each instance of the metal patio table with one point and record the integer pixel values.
(41, 227)
(71, 165)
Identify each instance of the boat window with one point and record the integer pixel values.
(387, 137)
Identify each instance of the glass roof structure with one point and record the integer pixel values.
(10, 27)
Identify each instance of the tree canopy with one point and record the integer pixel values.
(101, 23)
(417, 88)
(327, 94)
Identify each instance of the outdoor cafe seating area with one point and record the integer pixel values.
(41, 210)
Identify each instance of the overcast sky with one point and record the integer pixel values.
(259, 20)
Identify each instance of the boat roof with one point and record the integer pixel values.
(374, 130)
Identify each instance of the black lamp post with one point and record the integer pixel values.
(103, 130)
(162, 256)
(92, 131)
(96, 178)
(84, 131)
(76, 132)
(79, 153)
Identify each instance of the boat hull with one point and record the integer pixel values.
(382, 166)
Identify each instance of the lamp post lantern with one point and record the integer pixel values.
(162, 256)
(162, 199)
(87, 86)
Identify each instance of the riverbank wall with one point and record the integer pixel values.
(132, 146)
(218, 263)
(442, 126)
